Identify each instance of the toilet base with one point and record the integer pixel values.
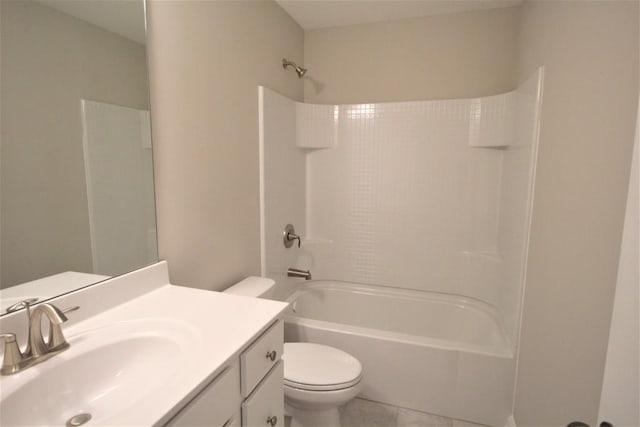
(317, 408)
(313, 418)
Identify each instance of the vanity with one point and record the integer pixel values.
(246, 392)
(145, 352)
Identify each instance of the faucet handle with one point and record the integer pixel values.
(289, 235)
(292, 237)
(12, 355)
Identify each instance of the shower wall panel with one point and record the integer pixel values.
(282, 182)
(402, 200)
(428, 195)
(516, 189)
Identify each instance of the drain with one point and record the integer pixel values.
(78, 420)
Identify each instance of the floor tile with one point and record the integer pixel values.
(365, 413)
(409, 418)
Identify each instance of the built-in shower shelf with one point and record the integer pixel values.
(492, 121)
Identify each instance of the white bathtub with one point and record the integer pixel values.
(432, 352)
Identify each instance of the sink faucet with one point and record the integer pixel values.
(37, 350)
(56, 342)
(294, 272)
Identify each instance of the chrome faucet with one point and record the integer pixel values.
(37, 350)
(294, 272)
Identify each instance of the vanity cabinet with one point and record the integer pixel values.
(216, 405)
(262, 379)
(260, 357)
(248, 392)
(265, 406)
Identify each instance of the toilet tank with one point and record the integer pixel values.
(253, 286)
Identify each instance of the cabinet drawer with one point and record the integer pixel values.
(260, 357)
(265, 406)
(215, 405)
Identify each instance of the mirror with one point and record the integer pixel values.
(76, 176)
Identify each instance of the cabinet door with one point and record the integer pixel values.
(215, 405)
(265, 406)
(260, 357)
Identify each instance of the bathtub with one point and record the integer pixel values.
(455, 361)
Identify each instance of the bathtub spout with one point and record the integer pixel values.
(294, 272)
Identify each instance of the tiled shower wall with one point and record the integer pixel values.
(429, 195)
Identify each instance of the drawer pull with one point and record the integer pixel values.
(272, 421)
(272, 355)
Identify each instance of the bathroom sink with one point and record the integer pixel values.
(106, 372)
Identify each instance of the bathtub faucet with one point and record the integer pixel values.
(294, 272)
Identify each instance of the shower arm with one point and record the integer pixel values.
(300, 71)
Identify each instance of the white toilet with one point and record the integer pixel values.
(317, 378)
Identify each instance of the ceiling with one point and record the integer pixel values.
(315, 14)
(126, 17)
(123, 17)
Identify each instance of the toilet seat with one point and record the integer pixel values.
(318, 387)
(317, 367)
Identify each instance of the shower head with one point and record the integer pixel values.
(299, 70)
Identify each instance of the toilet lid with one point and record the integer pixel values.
(310, 366)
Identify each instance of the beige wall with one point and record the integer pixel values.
(206, 61)
(590, 52)
(49, 62)
(459, 55)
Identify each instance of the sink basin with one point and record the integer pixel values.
(104, 373)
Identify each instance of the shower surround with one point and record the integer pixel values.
(427, 196)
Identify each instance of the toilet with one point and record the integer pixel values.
(317, 378)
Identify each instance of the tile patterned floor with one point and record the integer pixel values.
(365, 413)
